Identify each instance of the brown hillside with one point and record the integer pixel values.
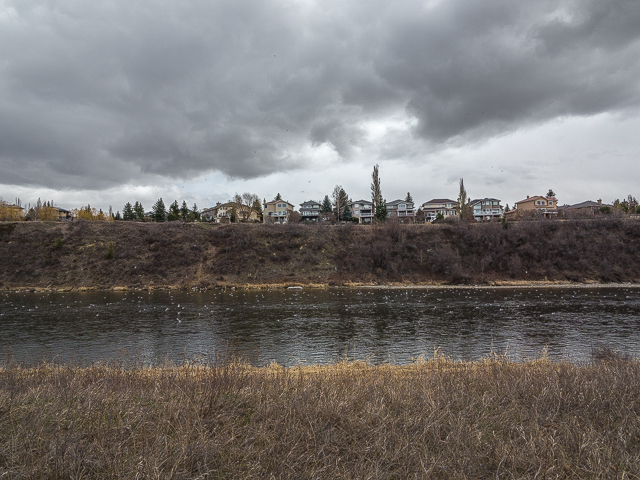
(128, 254)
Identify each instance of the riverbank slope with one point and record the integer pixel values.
(107, 255)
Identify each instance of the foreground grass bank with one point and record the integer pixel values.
(435, 419)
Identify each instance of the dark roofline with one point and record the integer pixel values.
(441, 200)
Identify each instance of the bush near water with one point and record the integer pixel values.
(185, 255)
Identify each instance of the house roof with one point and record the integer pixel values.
(535, 197)
(440, 200)
(586, 204)
(310, 202)
(10, 205)
(477, 200)
(396, 202)
(279, 201)
(369, 202)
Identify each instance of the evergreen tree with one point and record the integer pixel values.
(233, 216)
(381, 212)
(326, 205)
(409, 198)
(278, 198)
(117, 217)
(506, 209)
(139, 211)
(551, 193)
(346, 214)
(127, 212)
(195, 212)
(184, 211)
(174, 212)
(159, 211)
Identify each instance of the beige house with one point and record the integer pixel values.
(362, 210)
(10, 212)
(276, 211)
(444, 206)
(545, 206)
(402, 209)
(222, 213)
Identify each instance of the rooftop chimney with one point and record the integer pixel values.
(599, 201)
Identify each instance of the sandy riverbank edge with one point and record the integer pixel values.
(298, 286)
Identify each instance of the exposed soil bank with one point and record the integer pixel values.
(126, 255)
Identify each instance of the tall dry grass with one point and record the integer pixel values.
(433, 419)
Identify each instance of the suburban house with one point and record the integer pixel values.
(584, 209)
(362, 210)
(276, 211)
(402, 209)
(9, 211)
(486, 209)
(64, 215)
(221, 213)
(208, 214)
(310, 211)
(444, 206)
(545, 206)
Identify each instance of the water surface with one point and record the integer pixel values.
(310, 326)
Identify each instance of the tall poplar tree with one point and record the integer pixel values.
(463, 206)
(379, 205)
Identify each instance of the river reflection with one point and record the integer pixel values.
(319, 326)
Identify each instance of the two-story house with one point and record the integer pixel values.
(486, 209)
(402, 209)
(221, 213)
(546, 206)
(9, 211)
(310, 210)
(276, 211)
(443, 206)
(362, 210)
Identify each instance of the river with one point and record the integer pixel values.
(318, 326)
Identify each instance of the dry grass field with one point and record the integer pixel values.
(429, 419)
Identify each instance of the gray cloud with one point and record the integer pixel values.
(93, 94)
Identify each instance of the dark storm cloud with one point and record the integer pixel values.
(93, 94)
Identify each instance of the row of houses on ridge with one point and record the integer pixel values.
(362, 211)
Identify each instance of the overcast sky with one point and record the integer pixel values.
(109, 101)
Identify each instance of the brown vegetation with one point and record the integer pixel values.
(181, 255)
(434, 419)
